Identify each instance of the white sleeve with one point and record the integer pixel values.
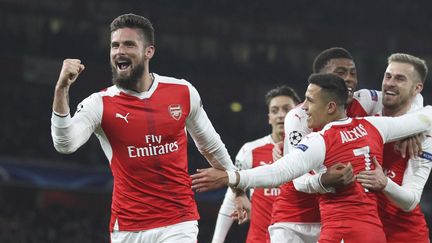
(307, 155)
(224, 221)
(204, 135)
(418, 102)
(311, 183)
(70, 133)
(296, 128)
(408, 195)
(396, 128)
(243, 160)
(370, 100)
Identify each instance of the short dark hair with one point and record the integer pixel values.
(282, 91)
(136, 22)
(333, 86)
(325, 56)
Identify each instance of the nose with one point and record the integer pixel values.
(281, 113)
(389, 82)
(120, 50)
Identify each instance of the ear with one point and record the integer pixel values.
(331, 107)
(149, 52)
(418, 88)
(268, 115)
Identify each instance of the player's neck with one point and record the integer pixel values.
(396, 111)
(338, 116)
(145, 82)
(277, 137)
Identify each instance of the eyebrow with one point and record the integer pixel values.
(346, 68)
(398, 75)
(124, 42)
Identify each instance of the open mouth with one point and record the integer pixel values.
(350, 91)
(390, 93)
(123, 65)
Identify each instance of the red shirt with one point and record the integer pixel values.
(400, 226)
(144, 137)
(300, 207)
(251, 155)
(149, 163)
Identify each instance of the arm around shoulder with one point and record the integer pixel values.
(395, 128)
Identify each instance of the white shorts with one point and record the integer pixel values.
(185, 232)
(294, 232)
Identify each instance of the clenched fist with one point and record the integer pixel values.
(69, 73)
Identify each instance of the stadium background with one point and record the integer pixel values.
(232, 51)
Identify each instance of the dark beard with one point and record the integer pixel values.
(130, 81)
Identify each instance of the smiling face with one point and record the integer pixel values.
(399, 87)
(346, 69)
(128, 62)
(316, 107)
(278, 108)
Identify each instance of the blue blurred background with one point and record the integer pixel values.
(232, 51)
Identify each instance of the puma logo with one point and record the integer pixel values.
(117, 115)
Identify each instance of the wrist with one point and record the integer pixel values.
(61, 114)
(322, 180)
(390, 187)
(384, 184)
(233, 178)
(62, 87)
(323, 185)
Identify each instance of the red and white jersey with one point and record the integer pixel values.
(296, 203)
(398, 206)
(365, 102)
(144, 137)
(293, 205)
(251, 155)
(353, 140)
(400, 225)
(357, 142)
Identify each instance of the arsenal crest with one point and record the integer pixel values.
(175, 111)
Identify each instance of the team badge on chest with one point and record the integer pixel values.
(175, 110)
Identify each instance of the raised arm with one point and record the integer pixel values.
(69, 133)
(70, 71)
